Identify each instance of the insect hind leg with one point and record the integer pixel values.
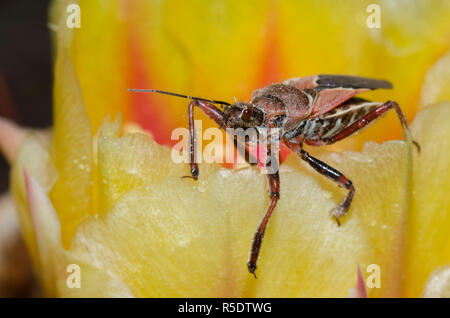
(367, 119)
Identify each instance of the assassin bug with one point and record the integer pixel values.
(316, 110)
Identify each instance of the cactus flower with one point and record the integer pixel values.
(99, 194)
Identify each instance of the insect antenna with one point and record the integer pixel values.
(178, 95)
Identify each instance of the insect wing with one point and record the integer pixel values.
(346, 81)
(328, 99)
(308, 82)
(333, 90)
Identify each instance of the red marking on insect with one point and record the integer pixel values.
(316, 110)
(137, 65)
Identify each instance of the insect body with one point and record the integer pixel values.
(316, 110)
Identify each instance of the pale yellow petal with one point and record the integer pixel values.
(178, 237)
(436, 86)
(33, 156)
(165, 241)
(132, 161)
(72, 149)
(438, 284)
(428, 241)
(56, 263)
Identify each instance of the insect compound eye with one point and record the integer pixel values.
(247, 114)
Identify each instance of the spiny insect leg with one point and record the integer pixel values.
(212, 112)
(336, 176)
(274, 190)
(331, 173)
(369, 118)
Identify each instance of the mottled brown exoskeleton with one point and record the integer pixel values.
(316, 110)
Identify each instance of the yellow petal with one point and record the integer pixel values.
(427, 241)
(132, 161)
(320, 257)
(166, 236)
(97, 54)
(438, 284)
(436, 87)
(230, 48)
(56, 264)
(72, 194)
(33, 155)
(180, 226)
(177, 237)
(41, 227)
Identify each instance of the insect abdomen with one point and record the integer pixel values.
(340, 118)
(320, 130)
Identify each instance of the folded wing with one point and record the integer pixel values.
(333, 90)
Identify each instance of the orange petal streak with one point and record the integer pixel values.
(147, 110)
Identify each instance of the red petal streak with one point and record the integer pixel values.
(271, 71)
(147, 110)
(271, 66)
(360, 286)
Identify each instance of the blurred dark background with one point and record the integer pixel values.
(26, 98)
(25, 67)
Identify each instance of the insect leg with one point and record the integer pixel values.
(336, 176)
(212, 112)
(369, 118)
(274, 190)
(331, 173)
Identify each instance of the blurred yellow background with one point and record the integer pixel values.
(225, 49)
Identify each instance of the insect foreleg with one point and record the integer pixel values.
(212, 112)
(274, 191)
